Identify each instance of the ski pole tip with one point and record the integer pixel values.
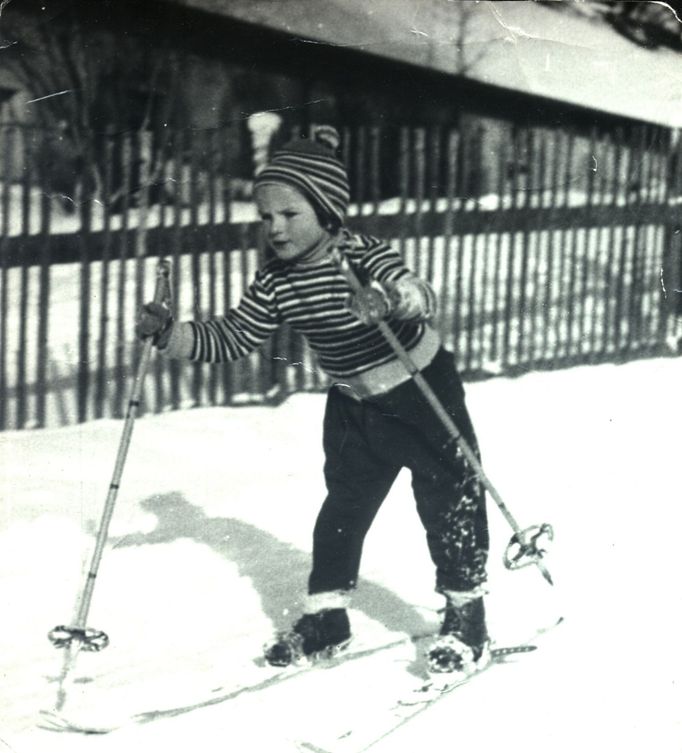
(545, 573)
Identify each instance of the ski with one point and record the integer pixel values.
(57, 721)
(404, 708)
(427, 694)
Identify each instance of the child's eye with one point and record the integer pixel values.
(289, 215)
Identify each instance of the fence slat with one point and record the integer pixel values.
(621, 287)
(497, 334)
(404, 181)
(671, 264)
(471, 202)
(419, 192)
(631, 295)
(510, 285)
(211, 168)
(25, 284)
(178, 153)
(195, 249)
(228, 371)
(536, 302)
(159, 182)
(7, 141)
(591, 275)
(446, 299)
(102, 356)
(42, 341)
(84, 375)
(123, 203)
(360, 166)
(375, 140)
(522, 353)
(657, 256)
(459, 335)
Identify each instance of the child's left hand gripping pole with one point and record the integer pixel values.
(77, 636)
(524, 548)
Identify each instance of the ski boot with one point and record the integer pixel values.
(317, 635)
(463, 644)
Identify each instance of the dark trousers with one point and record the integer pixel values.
(366, 444)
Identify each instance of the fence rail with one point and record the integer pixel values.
(546, 249)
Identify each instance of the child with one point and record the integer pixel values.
(376, 419)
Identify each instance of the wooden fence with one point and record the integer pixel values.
(547, 249)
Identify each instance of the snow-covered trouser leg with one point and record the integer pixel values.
(450, 498)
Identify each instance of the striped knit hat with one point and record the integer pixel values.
(311, 166)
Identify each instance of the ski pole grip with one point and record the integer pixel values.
(162, 288)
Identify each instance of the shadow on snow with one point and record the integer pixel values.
(277, 570)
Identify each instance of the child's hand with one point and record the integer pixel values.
(370, 305)
(155, 321)
(412, 298)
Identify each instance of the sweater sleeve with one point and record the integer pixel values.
(383, 263)
(232, 336)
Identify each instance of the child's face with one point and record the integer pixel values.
(291, 225)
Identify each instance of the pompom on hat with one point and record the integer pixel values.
(312, 167)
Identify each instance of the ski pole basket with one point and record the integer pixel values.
(88, 639)
(528, 547)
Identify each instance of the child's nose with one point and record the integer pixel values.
(277, 225)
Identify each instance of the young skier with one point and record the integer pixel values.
(376, 419)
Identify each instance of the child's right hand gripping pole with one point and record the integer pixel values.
(155, 320)
(529, 552)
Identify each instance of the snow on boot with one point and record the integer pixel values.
(312, 636)
(462, 645)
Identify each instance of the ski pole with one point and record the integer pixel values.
(89, 639)
(526, 540)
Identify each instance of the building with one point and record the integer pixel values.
(486, 68)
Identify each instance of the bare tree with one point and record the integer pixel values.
(84, 83)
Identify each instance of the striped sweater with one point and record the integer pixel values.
(312, 300)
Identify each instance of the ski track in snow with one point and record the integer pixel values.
(209, 553)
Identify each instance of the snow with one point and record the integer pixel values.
(209, 553)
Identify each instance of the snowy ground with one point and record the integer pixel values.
(209, 554)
